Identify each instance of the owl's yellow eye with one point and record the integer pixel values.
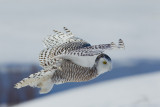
(104, 62)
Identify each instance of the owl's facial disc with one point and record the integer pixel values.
(103, 63)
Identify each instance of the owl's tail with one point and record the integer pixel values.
(40, 79)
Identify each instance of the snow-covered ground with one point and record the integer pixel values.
(135, 91)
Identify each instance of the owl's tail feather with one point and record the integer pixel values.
(40, 79)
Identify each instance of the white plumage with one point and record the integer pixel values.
(69, 59)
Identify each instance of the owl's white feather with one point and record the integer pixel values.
(40, 79)
(61, 38)
(84, 61)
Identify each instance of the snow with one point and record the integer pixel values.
(25, 23)
(135, 91)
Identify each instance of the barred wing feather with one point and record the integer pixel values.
(34, 80)
(51, 57)
(61, 38)
(48, 59)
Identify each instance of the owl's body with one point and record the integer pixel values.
(69, 59)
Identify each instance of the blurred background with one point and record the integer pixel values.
(24, 24)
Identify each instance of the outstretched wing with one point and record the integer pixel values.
(40, 79)
(61, 38)
(51, 57)
(47, 56)
(110, 46)
(92, 50)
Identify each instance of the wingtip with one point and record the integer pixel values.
(113, 45)
(17, 86)
(64, 27)
(55, 30)
(67, 30)
(121, 44)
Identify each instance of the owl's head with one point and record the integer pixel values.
(103, 63)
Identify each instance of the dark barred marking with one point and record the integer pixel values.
(73, 73)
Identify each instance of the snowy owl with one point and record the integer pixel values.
(67, 58)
